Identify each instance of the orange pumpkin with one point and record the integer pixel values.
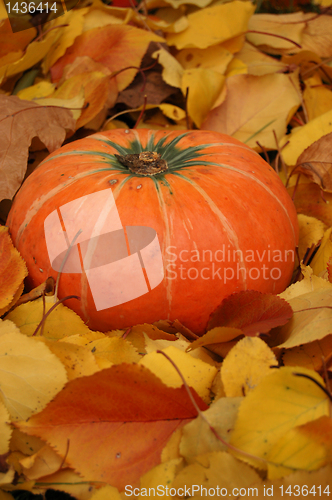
(148, 225)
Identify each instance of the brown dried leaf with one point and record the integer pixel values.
(20, 122)
(316, 163)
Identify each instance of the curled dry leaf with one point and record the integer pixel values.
(20, 122)
(316, 163)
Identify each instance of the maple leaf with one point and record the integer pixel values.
(21, 121)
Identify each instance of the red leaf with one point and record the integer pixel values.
(116, 422)
(252, 312)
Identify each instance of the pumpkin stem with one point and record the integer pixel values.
(145, 163)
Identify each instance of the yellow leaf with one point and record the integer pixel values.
(197, 374)
(5, 428)
(280, 402)
(216, 335)
(166, 19)
(288, 26)
(236, 67)
(204, 87)
(302, 137)
(246, 364)
(42, 463)
(257, 62)
(311, 320)
(171, 449)
(317, 97)
(322, 256)
(77, 360)
(215, 57)
(197, 437)
(30, 375)
(83, 339)
(308, 284)
(75, 104)
(37, 91)
(306, 447)
(255, 106)
(213, 25)
(116, 350)
(310, 355)
(160, 476)
(199, 3)
(172, 70)
(75, 19)
(12, 270)
(311, 232)
(317, 35)
(61, 322)
(106, 493)
(212, 470)
(35, 52)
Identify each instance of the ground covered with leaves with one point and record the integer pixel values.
(245, 408)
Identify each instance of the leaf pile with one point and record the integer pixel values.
(97, 414)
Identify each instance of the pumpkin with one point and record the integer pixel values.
(147, 225)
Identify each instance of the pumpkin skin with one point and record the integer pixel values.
(217, 197)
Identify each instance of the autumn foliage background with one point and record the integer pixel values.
(86, 412)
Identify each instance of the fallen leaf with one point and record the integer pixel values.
(280, 402)
(30, 374)
(321, 258)
(306, 285)
(205, 472)
(302, 137)
(197, 437)
(216, 58)
(160, 476)
(213, 25)
(317, 97)
(310, 200)
(317, 35)
(116, 350)
(196, 373)
(12, 270)
(60, 323)
(124, 403)
(306, 447)
(316, 163)
(252, 312)
(311, 232)
(74, 19)
(257, 62)
(311, 319)
(255, 106)
(312, 355)
(126, 46)
(5, 429)
(77, 360)
(43, 463)
(246, 364)
(172, 70)
(155, 90)
(204, 86)
(21, 122)
(39, 90)
(14, 42)
(288, 28)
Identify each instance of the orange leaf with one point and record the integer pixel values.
(252, 312)
(12, 269)
(116, 422)
(115, 46)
